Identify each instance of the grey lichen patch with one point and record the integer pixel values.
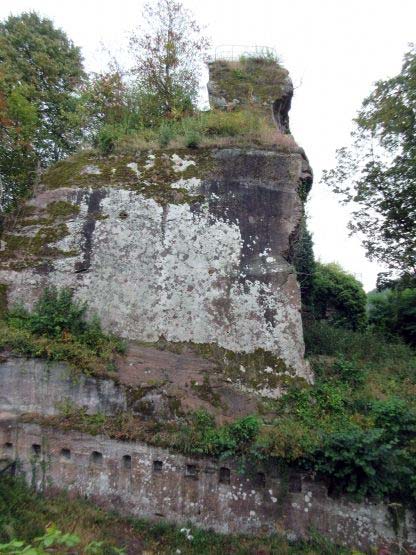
(151, 175)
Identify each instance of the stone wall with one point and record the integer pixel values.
(136, 479)
(147, 481)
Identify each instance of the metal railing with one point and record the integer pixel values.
(233, 52)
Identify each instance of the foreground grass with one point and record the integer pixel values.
(24, 514)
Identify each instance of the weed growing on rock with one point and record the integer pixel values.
(57, 329)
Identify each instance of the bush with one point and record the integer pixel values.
(392, 312)
(357, 462)
(107, 138)
(322, 338)
(338, 297)
(199, 435)
(57, 329)
(54, 314)
(165, 135)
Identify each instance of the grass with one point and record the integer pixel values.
(258, 79)
(247, 127)
(24, 514)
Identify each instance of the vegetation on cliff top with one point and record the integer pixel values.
(256, 79)
(151, 106)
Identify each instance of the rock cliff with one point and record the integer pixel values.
(188, 245)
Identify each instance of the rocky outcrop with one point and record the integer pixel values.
(201, 259)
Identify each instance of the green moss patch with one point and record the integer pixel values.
(256, 370)
(249, 79)
(152, 180)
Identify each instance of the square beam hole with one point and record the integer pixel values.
(96, 457)
(127, 462)
(192, 471)
(224, 476)
(65, 454)
(36, 450)
(157, 466)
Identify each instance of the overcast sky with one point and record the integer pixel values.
(334, 49)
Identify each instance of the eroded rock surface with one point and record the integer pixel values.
(211, 269)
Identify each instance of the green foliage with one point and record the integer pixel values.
(57, 329)
(357, 462)
(208, 128)
(168, 53)
(40, 117)
(53, 541)
(54, 314)
(392, 312)
(378, 171)
(321, 338)
(338, 297)
(304, 262)
(200, 435)
(26, 516)
(166, 134)
(106, 138)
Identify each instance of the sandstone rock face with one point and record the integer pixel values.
(34, 386)
(213, 269)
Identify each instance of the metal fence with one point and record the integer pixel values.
(233, 52)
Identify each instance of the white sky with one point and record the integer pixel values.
(334, 50)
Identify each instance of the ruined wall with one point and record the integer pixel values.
(145, 481)
(148, 481)
(202, 258)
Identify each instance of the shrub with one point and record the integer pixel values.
(357, 462)
(338, 297)
(322, 338)
(192, 138)
(165, 134)
(107, 138)
(393, 313)
(54, 314)
(57, 329)
(395, 418)
(200, 435)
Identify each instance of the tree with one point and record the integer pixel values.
(168, 53)
(338, 297)
(40, 119)
(378, 172)
(393, 313)
(304, 262)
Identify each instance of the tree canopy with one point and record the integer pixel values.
(378, 172)
(168, 51)
(41, 72)
(338, 297)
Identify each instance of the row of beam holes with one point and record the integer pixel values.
(192, 470)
